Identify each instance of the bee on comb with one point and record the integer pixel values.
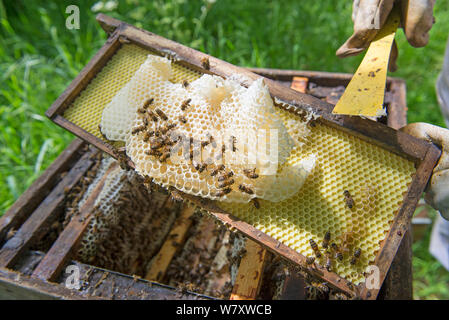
(161, 114)
(185, 104)
(147, 103)
(251, 173)
(245, 189)
(205, 63)
(217, 169)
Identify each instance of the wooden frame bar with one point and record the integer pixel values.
(96, 284)
(425, 155)
(36, 225)
(176, 237)
(33, 196)
(53, 262)
(250, 272)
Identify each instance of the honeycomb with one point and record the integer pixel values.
(122, 229)
(218, 108)
(375, 177)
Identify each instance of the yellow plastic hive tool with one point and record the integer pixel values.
(364, 95)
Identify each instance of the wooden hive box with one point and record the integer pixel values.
(42, 204)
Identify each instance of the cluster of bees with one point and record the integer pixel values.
(164, 141)
(333, 251)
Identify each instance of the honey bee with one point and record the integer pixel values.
(148, 135)
(310, 260)
(251, 173)
(183, 119)
(226, 183)
(327, 238)
(138, 129)
(141, 110)
(168, 141)
(204, 143)
(200, 167)
(147, 103)
(217, 169)
(164, 156)
(323, 288)
(245, 189)
(256, 203)
(356, 256)
(185, 104)
(185, 83)
(205, 63)
(152, 115)
(315, 248)
(176, 197)
(225, 176)
(156, 143)
(161, 114)
(223, 192)
(168, 127)
(348, 199)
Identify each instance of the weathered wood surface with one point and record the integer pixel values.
(168, 250)
(33, 196)
(250, 272)
(60, 252)
(398, 283)
(16, 286)
(299, 84)
(105, 284)
(94, 283)
(397, 108)
(294, 288)
(37, 224)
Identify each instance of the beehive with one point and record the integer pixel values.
(344, 162)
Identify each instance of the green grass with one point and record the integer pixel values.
(430, 279)
(39, 57)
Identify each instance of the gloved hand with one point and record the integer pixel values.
(416, 20)
(437, 192)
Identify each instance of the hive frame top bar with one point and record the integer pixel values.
(423, 154)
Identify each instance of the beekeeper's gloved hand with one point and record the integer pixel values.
(437, 192)
(370, 15)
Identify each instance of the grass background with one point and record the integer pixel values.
(39, 57)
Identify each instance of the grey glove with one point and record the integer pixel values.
(437, 192)
(370, 15)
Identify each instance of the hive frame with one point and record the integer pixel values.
(423, 154)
